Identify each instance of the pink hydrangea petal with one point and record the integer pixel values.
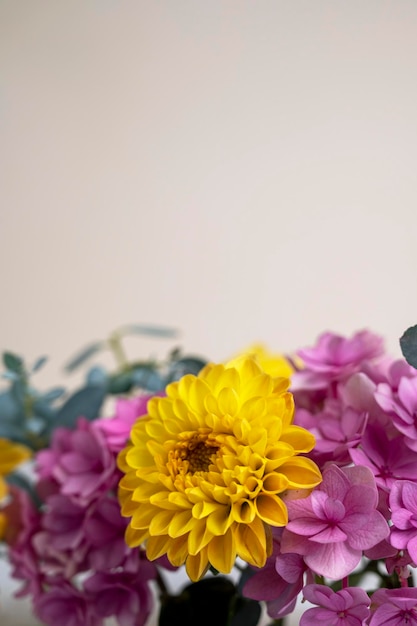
(333, 560)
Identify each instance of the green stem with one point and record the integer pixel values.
(115, 344)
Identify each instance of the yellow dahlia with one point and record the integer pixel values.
(11, 455)
(272, 363)
(207, 466)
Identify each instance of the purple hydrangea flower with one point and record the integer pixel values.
(394, 607)
(336, 522)
(347, 607)
(403, 503)
(80, 462)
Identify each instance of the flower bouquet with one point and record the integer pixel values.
(265, 480)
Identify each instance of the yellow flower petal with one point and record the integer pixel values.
(11, 455)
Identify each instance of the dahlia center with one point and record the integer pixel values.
(196, 454)
(199, 456)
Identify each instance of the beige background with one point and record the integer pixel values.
(240, 170)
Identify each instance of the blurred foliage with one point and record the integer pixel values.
(29, 416)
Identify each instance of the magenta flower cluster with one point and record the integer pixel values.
(71, 555)
(361, 406)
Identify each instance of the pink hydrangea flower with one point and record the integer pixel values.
(279, 582)
(389, 459)
(347, 607)
(334, 358)
(120, 594)
(401, 405)
(403, 503)
(117, 429)
(394, 607)
(104, 532)
(336, 522)
(80, 462)
(63, 605)
(337, 428)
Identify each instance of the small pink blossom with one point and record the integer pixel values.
(336, 522)
(347, 607)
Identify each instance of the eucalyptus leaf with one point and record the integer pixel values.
(97, 376)
(43, 408)
(12, 431)
(53, 394)
(153, 331)
(86, 403)
(186, 365)
(13, 363)
(120, 383)
(35, 425)
(147, 378)
(39, 363)
(22, 482)
(84, 355)
(10, 409)
(9, 375)
(18, 391)
(408, 344)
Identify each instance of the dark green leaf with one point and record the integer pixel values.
(84, 403)
(13, 363)
(246, 613)
(246, 574)
(84, 355)
(205, 603)
(120, 383)
(408, 343)
(147, 378)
